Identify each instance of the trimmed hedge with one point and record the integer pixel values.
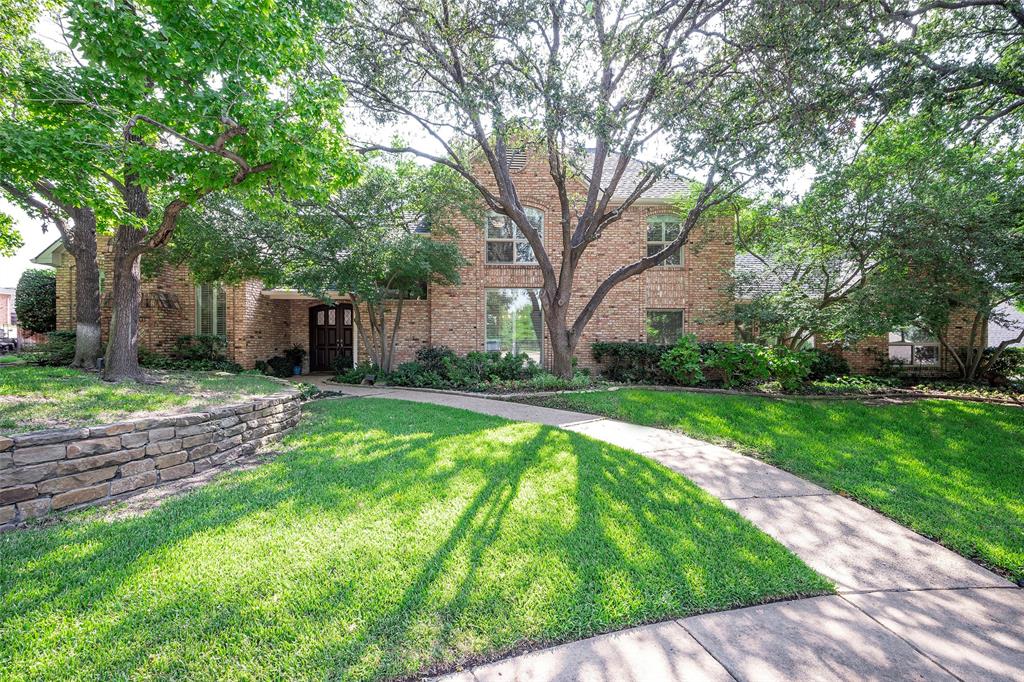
(631, 362)
(35, 301)
(691, 363)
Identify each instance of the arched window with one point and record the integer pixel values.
(211, 310)
(662, 230)
(506, 243)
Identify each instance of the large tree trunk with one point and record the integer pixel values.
(122, 361)
(563, 345)
(88, 347)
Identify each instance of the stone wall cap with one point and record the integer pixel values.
(49, 437)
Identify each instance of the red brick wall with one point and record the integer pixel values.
(259, 327)
(168, 300)
(864, 357)
(698, 286)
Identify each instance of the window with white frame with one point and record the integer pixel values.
(913, 346)
(506, 243)
(515, 322)
(664, 326)
(662, 230)
(211, 310)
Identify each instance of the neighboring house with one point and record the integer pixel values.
(916, 350)
(496, 307)
(8, 319)
(1008, 327)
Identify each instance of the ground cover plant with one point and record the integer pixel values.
(953, 471)
(386, 539)
(440, 367)
(33, 398)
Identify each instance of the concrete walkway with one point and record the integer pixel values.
(906, 608)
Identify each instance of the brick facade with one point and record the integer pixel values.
(867, 356)
(259, 325)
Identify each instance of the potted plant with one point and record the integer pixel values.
(296, 354)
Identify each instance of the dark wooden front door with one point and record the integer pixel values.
(330, 336)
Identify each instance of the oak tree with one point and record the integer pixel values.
(716, 91)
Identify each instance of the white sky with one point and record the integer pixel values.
(35, 241)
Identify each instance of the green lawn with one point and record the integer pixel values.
(387, 539)
(951, 470)
(33, 398)
(9, 359)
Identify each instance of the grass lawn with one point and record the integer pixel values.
(10, 359)
(33, 398)
(953, 471)
(387, 539)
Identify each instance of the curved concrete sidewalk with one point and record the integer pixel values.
(906, 608)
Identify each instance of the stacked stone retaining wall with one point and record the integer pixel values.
(62, 469)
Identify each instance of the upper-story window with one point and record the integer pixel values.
(506, 243)
(662, 230)
(211, 310)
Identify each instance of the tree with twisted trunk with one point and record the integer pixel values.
(714, 90)
(156, 104)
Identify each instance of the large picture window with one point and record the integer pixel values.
(515, 322)
(211, 310)
(506, 243)
(913, 346)
(662, 230)
(664, 326)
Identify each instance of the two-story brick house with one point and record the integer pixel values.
(495, 306)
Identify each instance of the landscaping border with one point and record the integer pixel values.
(62, 469)
(864, 397)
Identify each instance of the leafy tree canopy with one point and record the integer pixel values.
(152, 105)
(382, 240)
(10, 238)
(916, 229)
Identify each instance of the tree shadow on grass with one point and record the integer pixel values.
(375, 547)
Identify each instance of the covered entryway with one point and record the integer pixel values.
(330, 337)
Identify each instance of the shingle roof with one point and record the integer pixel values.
(753, 278)
(1007, 327)
(667, 188)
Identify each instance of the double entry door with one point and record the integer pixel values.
(330, 337)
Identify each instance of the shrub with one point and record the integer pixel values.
(35, 301)
(682, 362)
(277, 366)
(739, 364)
(1007, 368)
(440, 367)
(58, 351)
(630, 361)
(435, 358)
(789, 367)
(416, 375)
(825, 364)
(355, 375)
(196, 352)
